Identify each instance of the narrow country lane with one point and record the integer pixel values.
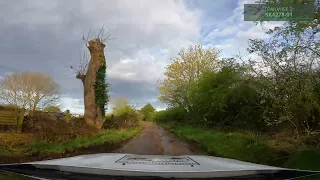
(152, 140)
(155, 140)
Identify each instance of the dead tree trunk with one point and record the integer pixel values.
(93, 114)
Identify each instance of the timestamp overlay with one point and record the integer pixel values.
(278, 12)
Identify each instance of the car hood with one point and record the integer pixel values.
(188, 166)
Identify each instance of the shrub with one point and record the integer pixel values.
(48, 128)
(312, 140)
(170, 114)
(152, 116)
(125, 117)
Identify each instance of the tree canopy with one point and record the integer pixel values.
(181, 75)
(52, 109)
(147, 110)
(120, 105)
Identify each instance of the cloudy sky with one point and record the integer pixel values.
(46, 36)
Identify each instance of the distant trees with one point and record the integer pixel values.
(147, 111)
(120, 105)
(123, 114)
(52, 109)
(29, 90)
(182, 74)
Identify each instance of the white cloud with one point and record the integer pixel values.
(142, 67)
(234, 32)
(75, 105)
(161, 109)
(147, 34)
(155, 32)
(220, 33)
(223, 46)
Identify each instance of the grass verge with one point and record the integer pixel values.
(105, 137)
(248, 147)
(109, 137)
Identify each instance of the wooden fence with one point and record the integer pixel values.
(11, 117)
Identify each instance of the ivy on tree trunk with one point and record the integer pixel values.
(101, 89)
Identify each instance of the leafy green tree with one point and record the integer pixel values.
(120, 106)
(225, 98)
(182, 74)
(147, 110)
(172, 114)
(123, 115)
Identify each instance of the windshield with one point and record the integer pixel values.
(163, 88)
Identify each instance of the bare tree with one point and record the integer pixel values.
(92, 75)
(29, 90)
(82, 68)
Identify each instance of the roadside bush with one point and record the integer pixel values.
(227, 98)
(304, 159)
(245, 108)
(47, 128)
(152, 116)
(312, 140)
(125, 117)
(170, 115)
(211, 95)
(108, 116)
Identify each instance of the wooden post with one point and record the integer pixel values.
(67, 116)
(20, 120)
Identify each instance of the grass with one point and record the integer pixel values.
(110, 137)
(249, 147)
(230, 145)
(305, 159)
(14, 143)
(105, 137)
